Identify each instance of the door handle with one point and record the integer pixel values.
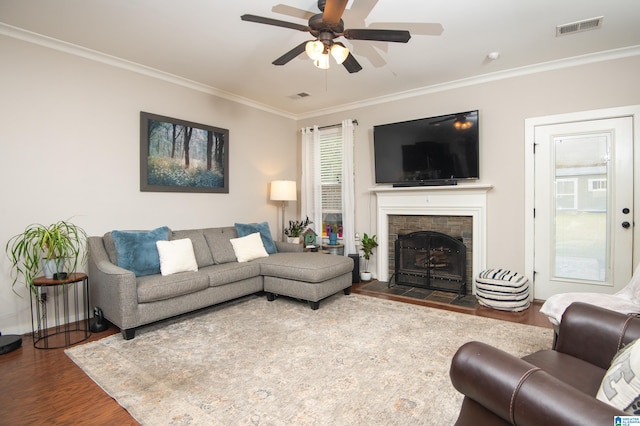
(625, 224)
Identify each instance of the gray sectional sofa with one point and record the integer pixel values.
(130, 301)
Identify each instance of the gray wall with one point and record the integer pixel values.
(69, 147)
(504, 105)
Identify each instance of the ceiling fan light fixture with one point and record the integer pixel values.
(339, 52)
(314, 49)
(325, 27)
(322, 62)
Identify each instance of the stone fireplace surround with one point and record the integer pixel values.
(455, 200)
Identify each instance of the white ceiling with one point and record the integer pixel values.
(206, 42)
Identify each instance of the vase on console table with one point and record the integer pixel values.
(333, 239)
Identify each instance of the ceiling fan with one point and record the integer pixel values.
(358, 15)
(326, 27)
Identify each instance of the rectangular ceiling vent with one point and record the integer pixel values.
(299, 95)
(579, 26)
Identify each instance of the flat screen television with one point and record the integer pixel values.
(429, 151)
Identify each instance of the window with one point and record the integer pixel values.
(331, 180)
(327, 191)
(597, 185)
(566, 194)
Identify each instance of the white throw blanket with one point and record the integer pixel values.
(626, 301)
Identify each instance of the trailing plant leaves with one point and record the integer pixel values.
(63, 241)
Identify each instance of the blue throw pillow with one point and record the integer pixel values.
(137, 251)
(244, 229)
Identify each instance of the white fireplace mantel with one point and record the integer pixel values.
(455, 200)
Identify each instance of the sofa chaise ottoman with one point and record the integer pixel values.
(130, 298)
(307, 276)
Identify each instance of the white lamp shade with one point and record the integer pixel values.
(322, 62)
(339, 53)
(314, 49)
(283, 190)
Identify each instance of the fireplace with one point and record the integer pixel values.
(464, 200)
(460, 228)
(432, 260)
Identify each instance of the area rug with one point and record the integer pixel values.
(357, 360)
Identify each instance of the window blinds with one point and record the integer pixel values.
(331, 170)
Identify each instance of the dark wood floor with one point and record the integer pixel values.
(45, 387)
(441, 300)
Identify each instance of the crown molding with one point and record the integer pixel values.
(94, 55)
(73, 49)
(484, 78)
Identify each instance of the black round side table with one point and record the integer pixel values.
(62, 319)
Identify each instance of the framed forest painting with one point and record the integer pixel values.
(181, 156)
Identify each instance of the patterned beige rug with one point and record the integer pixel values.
(357, 360)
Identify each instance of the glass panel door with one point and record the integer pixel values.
(581, 243)
(583, 201)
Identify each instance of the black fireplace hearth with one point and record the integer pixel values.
(431, 260)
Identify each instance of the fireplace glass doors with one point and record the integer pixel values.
(431, 260)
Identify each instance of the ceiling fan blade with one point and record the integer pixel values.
(371, 50)
(294, 12)
(290, 54)
(415, 28)
(397, 36)
(333, 11)
(360, 9)
(274, 22)
(351, 64)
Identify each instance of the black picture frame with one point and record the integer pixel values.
(182, 156)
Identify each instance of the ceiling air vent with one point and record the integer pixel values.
(579, 26)
(299, 95)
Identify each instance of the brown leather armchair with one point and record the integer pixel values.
(549, 387)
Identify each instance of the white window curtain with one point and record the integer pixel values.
(348, 203)
(311, 189)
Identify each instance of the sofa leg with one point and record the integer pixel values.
(347, 291)
(129, 333)
(314, 305)
(271, 297)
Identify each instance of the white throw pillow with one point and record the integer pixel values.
(620, 387)
(249, 247)
(176, 256)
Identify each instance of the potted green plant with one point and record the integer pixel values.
(296, 227)
(368, 244)
(40, 249)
